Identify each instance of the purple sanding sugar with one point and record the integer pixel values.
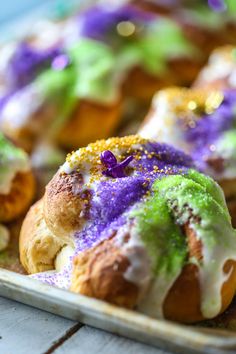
(4, 99)
(27, 62)
(113, 198)
(217, 5)
(100, 21)
(210, 128)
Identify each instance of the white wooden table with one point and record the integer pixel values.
(24, 330)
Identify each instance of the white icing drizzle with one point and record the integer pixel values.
(227, 152)
(17, 112)
(47, 33)
(152, 290)
(46, 154)
(220, 66)
(4, 237)
(139, 271)
(152, 305)
(6, 52)
(211, 273)
(17, 161)
(162, 124)
(74, 162)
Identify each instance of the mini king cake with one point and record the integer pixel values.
(55, 94)
(16, 186)
(146, 48)
(202, 123)
(130, 221)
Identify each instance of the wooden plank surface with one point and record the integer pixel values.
(93, 341)
(24, 330)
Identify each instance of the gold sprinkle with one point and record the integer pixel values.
(125, 28)
(213, 101)
(192, 105)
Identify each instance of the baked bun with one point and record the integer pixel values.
(129, 221)
(53, 94)
(149, 51)
(220, 72)
(16, 185)
(202, 123)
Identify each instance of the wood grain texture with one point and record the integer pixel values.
(24, 329)
(93, 341)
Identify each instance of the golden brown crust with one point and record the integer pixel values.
(65, 204)
(17, 201)
(231, 204)
(141, 85)
(27, 135)
(229, 187)
(38, 246)
(99, 272)
(194, 245)
(90, 121)
(183, 302)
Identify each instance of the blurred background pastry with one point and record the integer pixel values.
(146, 46)
(202, 123)
(57, 96)
(129, 221)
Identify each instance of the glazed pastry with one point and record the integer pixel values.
(205, 26)
(220, 72)
(129, 221)
(147, 49)
(16, 186)
(57, 95)
(202, 123)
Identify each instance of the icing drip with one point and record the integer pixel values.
(12, 161)
(190, 198)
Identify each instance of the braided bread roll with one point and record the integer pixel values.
(129, 221)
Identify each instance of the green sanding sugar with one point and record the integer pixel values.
(12, 160)
(176, 200)
(9, 152)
